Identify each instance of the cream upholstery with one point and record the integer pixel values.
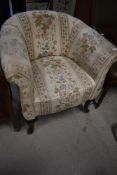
(56, 60)
(59, 84)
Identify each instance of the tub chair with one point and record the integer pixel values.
(56, 60)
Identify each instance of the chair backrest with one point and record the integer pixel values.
(49, 33)
(45, 32)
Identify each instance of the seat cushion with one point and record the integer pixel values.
(59, 84)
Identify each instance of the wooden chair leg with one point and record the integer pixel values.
(15, 120)
(106, 86)
(17, 112)
(103, 94)
(30, 129)
(84, 107)
(13, 117)
(15, 109)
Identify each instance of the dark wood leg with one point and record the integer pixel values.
(30, 129)
(103, 94)
(15, 119)
(105, 89)
(86, 105)
(15, 108)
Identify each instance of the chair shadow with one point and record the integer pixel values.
(43, 120)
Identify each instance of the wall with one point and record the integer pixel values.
(105, 12)
(66, 6)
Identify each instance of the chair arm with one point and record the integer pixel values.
(92, 52)
(102, 75)
(16, 65)
(19, 71)
(89, 49)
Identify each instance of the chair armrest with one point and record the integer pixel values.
(17, 67)
(92, 52)
(102, 75)
(20, 73)
(89, 49)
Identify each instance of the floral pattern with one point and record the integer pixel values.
(49, 32)
(56, 60)
(45, 25)
(62, 84)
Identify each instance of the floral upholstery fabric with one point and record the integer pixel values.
(46, 33)
(92, 52)
(17, 66)
(59, 84)
(56, 60)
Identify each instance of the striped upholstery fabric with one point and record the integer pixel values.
(56, 60)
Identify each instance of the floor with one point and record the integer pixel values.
(67, 143)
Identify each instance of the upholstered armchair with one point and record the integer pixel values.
(56, 60)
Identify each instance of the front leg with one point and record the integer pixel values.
(30, 129)
(16, 113)
(85, 108)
